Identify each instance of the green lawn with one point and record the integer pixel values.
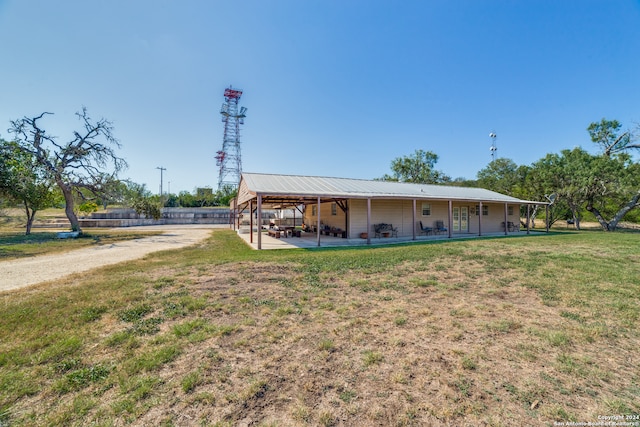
(504, 331)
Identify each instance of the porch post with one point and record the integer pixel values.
(414, 219)
(368, 221)
(506, 212)
(347, 228)
(528, 217)
(450, 228)
(236, 218)
(318, 220)
(480, 219)
(259, 213)
(251, 221)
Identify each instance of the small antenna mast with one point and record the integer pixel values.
(493, 148)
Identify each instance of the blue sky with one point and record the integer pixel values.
(333, 88)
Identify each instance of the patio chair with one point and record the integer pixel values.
(425, 230)
(440, 228)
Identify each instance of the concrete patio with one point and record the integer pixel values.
(310, 240)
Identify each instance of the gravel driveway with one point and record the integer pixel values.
(30, 271)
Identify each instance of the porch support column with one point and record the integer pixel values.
(528, 217)
(318, 221)
(450, 227)
(506, 212)
(251, 221)
(368, 221)
(259, 220)
(236, 218)
(414, 219)
(480, 219)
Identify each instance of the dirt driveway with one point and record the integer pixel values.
(30, 271)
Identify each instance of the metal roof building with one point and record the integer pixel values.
(355, 198)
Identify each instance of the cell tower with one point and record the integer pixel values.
(229, 159)
(493, 148)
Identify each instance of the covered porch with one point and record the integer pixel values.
(345, 212)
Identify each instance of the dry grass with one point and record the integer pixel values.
(519, 331)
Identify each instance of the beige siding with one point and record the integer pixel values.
(326, 217)
(492, 223)
(399, 213)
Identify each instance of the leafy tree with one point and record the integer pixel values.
(500, 175)
(187, 200)
(88, 207)
(112, 191)
(148, 207)
(617, 175)
(225, 194)
(130, 191)
(562, 174)
(417, 168)
(22, 179)
(606, 135)
(78, 164)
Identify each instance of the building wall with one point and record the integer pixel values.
(399, 213)
(326, 216)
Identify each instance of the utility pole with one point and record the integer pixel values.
(161, 170)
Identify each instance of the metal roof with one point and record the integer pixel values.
(302, 186)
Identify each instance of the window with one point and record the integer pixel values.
(485, 210)
(510, 210)
(334, 209)
(426, 209)
(314, 210)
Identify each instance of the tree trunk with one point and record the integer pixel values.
(575, 214)
(613, 224)
(31, 215)
(533, 216)
(69, 205)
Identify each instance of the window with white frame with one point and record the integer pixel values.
(510, 210)
(426, 209)
(334, 209)
(314, 210)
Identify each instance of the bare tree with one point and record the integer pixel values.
(83, 163)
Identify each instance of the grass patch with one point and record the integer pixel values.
(471, 332)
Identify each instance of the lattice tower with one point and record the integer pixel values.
(229, 159)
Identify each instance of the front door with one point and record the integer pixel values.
(460, 219)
